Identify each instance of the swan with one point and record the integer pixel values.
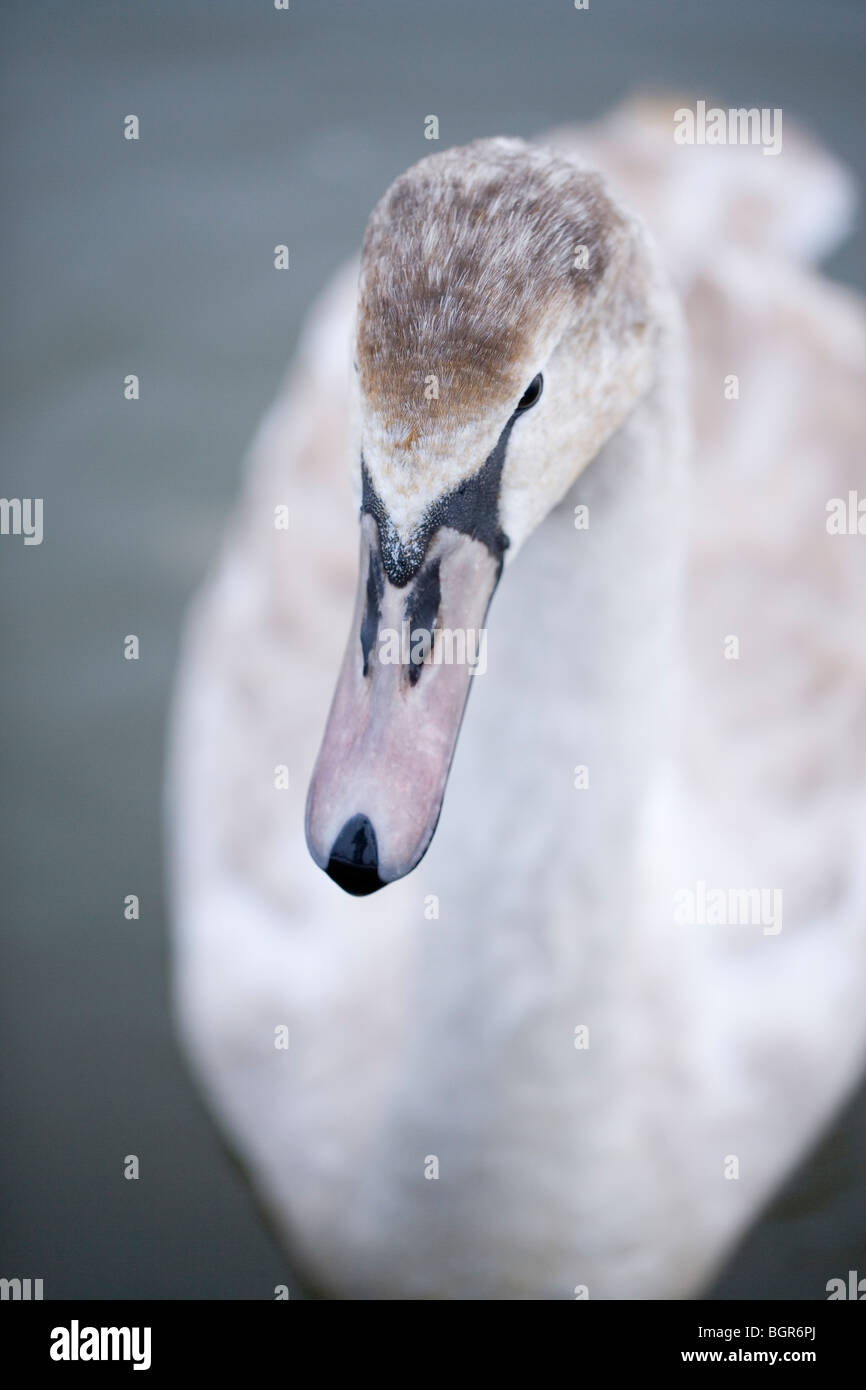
(595, 385)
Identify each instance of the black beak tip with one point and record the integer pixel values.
(354, 861)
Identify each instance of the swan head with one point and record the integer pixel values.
(504, 331)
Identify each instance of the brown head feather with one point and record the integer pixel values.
(467, 258)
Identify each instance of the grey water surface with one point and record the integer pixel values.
(155, 257)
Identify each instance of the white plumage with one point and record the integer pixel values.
(454, 1037)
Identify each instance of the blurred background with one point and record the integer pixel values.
(155, 257)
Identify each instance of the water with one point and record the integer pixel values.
(155, 258)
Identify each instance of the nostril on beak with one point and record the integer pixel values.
(354, 861)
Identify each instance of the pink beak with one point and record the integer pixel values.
(413, 651)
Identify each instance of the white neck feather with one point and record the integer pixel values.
(595, 694)
(500, 982)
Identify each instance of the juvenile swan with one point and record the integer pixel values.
(572, 1040)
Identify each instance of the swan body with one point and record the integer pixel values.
(517, 1072)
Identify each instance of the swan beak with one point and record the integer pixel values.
(412, 655)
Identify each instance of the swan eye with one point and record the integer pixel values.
(532, 393)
